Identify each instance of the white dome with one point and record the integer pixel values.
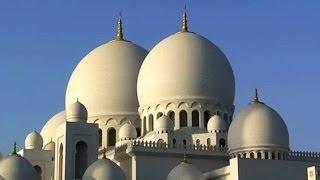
(216, 123)
(127, 131)
(33, 141)
(104, 169)
(16, 167)
(50, 146)
(185, 171)
(77, 112)
(105, 80)
(48, 131)
(185, 66)
(258, 126)
(163, 123)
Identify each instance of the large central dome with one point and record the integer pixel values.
(185, 66)
(105, 80)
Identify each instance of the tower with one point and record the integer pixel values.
(76, 144)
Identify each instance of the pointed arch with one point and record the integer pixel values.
(183, 118)
(111, 137)
(195, 118)
(81, 159)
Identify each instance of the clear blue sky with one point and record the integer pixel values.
(272, 45)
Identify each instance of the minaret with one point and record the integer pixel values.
(119, 36)
(76, 144)
(184, 27)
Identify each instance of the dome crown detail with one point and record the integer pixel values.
(163, 123)
(77, 112)
(187, 171)
(104, 169)
(16, 167)
(33, 141)
(216, 124)
(50, 146)
(127, 131)
(258, 126)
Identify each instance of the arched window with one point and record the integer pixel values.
(144, 126)
(206, 117)
(208, 142)
(273, 156)
(171, 115)
(245, 155)
(222, 142)
(266, 155)
(184, 143)
(251, 155)
(100, 137)
(81, 159)
(138, 131)
(195, 118)
(174, 141)
(111, 137)
(183, 118)
(159, 114)
(38, 170)
(259, 155)
(60, 161)
(150, 124)
(198, 142)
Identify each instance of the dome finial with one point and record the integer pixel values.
(14, 152)
(119, 36)
(256, 96)
(184, 27)
(184, 160)
(104, 151)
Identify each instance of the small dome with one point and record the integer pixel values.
(77, 112)
(104, 169)
(49, 146)
(258, 126)
(185, 171)
(48, 131)
(33, 141)
(127, 131)
(216, 123)
(163, 123)
(16, 167)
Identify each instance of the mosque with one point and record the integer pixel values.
(168, 114)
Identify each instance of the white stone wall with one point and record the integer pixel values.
(252, 169)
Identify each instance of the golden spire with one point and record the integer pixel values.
(184, 160)
(119, 36)
(256, 97)
(184, 27)
(14, 152)
(104, 151)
